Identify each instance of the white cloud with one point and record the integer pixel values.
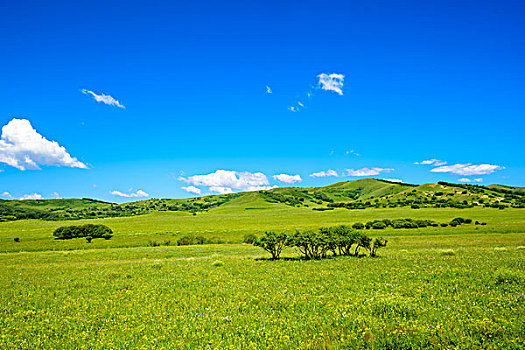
(221, 190)
(23, 147)
(289, 179)
(331, 82)
(57, 196)
(106, 99)
(192, 189)
(434, 162)
(31, 196)
(226, 181)
(395, 180)
(300, 103)
(137, 194)
(468, 169)
(327, 173)
(465, 179)
(6, 194)
(293, 109)
(268, 89)
(367, 171)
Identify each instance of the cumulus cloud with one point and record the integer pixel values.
(6, 194)
(138, 194)
(327, 173)
(226, 181)
(395, 180)
(331, 82)
(106, 99)
(31, 196)
(367, 171)
(23, 147)
(268, 89)
(289, 179)
(465, 179)
(221, 190)
(468, 169)
(434, 162)
(192, 189)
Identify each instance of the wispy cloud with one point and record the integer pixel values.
(31, 196)
(331, 82)
(352, 152)
(327, 173)
(24, 148)
(468, 169)
(268, 89)
(106, 99)
(434, 162)
(192, 189)
(465, 179)
(228, 181)
(138, 194)
(366, 171)
(328, 82)
(289, 179)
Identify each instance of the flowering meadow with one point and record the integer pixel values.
(426, 289)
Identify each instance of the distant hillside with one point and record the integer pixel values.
(358, 194)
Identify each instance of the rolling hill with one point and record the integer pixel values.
(358, 194)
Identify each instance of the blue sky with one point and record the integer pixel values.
(422, 81)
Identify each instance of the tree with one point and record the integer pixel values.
(375, 244)
(273, 243)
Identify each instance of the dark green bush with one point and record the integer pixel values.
(358, 226)
(273, 243)
(249, 238)
(88, 230)
(379, 225)
(16, 239)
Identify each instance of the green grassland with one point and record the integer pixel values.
(434, 287)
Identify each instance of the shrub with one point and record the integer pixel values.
(217, 263)
(249, 238)
(375, 244)
(88, 239)
(273, 243)
(311, 244)
(91, 230)
(16, 239)
(443, 224)
(358, 226)
(193, 240)
(379, 225)
(447, 252)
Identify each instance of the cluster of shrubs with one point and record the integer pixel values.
(337, 240)
(409, 223)
(89, 231)
(194, 240)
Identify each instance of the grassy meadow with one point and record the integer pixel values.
(435, 287)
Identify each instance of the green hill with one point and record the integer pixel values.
(358, 194)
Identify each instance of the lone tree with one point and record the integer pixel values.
(273, 243)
